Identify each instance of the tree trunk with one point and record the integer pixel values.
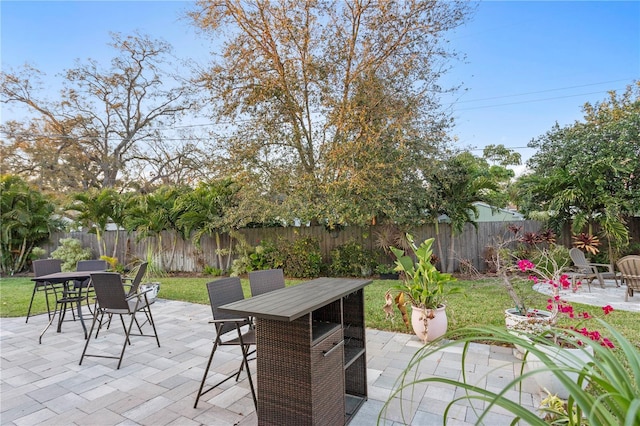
(451, 254)
(218, 252)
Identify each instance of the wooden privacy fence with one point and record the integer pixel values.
(171, 253)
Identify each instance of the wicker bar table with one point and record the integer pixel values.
(311, 351)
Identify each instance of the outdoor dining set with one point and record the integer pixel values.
(308, 340)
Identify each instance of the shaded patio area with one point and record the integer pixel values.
(43, 384)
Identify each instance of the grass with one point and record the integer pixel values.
(482, 303)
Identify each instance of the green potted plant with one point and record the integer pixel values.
(423, 287)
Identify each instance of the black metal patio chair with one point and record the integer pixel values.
(230, 331)
(265, 281)
(111, 299)
(44, 267)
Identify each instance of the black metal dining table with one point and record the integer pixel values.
(66, 279)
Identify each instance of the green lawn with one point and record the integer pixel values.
(482, 303)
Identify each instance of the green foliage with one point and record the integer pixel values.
(70, 251)
(588, 172)
(456, 182)
(301, 258)
(114, 264)
(383, 268)
(96, 208)
(266, 255)
(424, 285)
(213, 271)
(150, 214)
(304, 258)
(27, 219)
(612, 397)
(208, 210)
(240, 266)
(351, 260)
(37, 253)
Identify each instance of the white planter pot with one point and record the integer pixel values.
(574, 358)
(536, 322)
(153, 293)
(427, 328)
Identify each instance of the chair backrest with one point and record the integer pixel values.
(629, 267)
(46, 266)
(135, 284)
(109, 290)
(221, 292)
(265, 281)
(578, 258)
(92, 265)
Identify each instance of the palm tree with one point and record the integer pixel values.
(455, 185)
(205, 211)
(151, 214)
(96, 208)
(27, 218)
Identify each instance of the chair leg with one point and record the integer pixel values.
(124, 327)
(245, 364)
(100, 320)
(601, 280)
(245, 358)
(93, 324)
(126, 338)
(147, 312)
(206, 372)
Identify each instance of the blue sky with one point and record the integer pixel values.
(528, 65)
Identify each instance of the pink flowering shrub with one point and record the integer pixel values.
(558, 306)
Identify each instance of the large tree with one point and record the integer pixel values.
(334, 105)
(589, 172)
(104, 117)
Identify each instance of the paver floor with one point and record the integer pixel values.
(42, 384)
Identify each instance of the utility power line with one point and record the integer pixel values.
(542, 91)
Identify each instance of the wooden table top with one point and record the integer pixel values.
(290, 303)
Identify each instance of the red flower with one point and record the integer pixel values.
(557, 305)
(525, 265)
(607, 343)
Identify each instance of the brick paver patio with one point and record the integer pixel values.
(44, 385)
